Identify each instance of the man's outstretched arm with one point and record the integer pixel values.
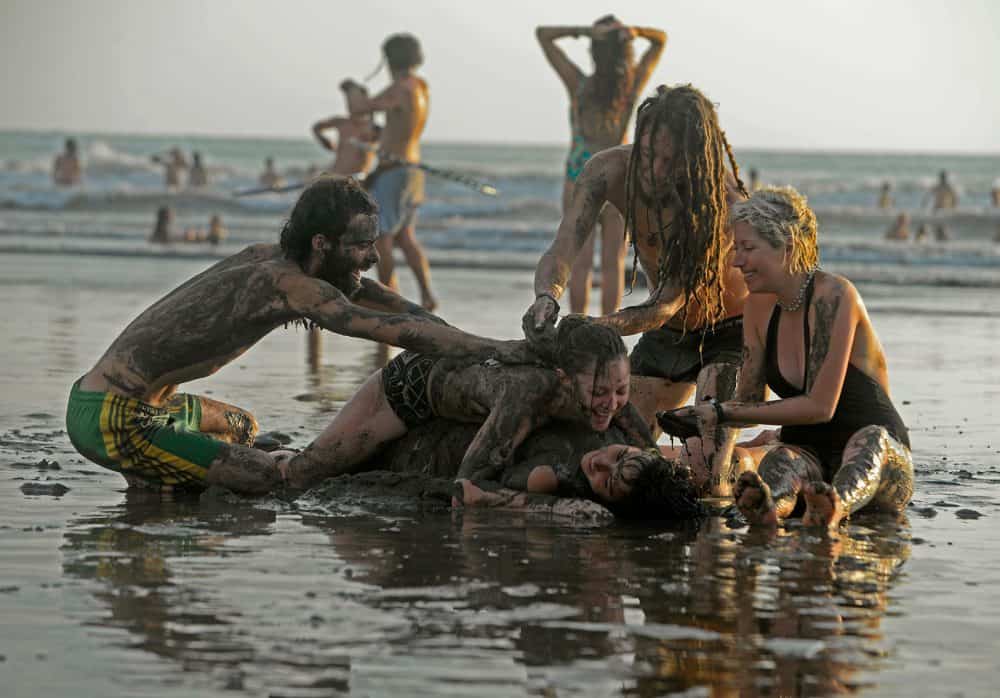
(329, 308)
(377, 296)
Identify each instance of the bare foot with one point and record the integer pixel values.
(823, 506)
(429, 303)
(753, 497)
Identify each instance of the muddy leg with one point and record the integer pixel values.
(361, 427)
(220, 420)
(875, 469)
(771, 495)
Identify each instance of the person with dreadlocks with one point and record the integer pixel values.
(674, 187)
(126, 414)
(600, 109)
(589, 384)
(399, 189)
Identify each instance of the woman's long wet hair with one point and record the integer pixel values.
(695, 259)
(609, 89)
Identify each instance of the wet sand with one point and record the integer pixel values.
(104, 593)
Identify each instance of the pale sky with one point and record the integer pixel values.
(797, 74)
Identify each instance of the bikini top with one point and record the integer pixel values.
(862, 400)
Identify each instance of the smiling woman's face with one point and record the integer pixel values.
(763, 266)
(601, 396)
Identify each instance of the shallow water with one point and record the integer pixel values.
(107, 594)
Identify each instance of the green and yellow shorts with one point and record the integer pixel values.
(162, 445)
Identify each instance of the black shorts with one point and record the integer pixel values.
(404, 383)
(678, 356)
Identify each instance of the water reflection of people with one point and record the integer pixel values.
(787, 615)
(128, 552)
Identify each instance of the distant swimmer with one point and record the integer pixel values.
(995, 194)
(885, 200)
(398, 189)
(198, 177)
(357, 127)
(175, 167)
(216, 230)
(601, 105)
(66, 169)
(270, 177)
(163, 228)
(754, 179)
(923, 232)
(127, 414)
(900, 230)
(943, 195)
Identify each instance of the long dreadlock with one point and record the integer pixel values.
(693, 256)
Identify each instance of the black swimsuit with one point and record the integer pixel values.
(863, 402)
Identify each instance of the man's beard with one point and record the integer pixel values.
(340, 274)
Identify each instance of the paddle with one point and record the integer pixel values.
(482, 187)
(270, 190)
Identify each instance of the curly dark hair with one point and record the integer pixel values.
(402, 51)
(695, 258)
(660, 489)
(326, 206)
(608, 91)
(580, 342)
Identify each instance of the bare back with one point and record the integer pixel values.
(198, 327)
(469, 391)
(405, 120)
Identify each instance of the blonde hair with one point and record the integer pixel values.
(782, 217)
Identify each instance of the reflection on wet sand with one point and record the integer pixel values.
(485, 601)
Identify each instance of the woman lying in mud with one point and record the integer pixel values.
(589, 384)
(808, 337)
(562, 468)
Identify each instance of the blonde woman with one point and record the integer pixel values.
(808, 337)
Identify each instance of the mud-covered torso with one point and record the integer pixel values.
(201, 325)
